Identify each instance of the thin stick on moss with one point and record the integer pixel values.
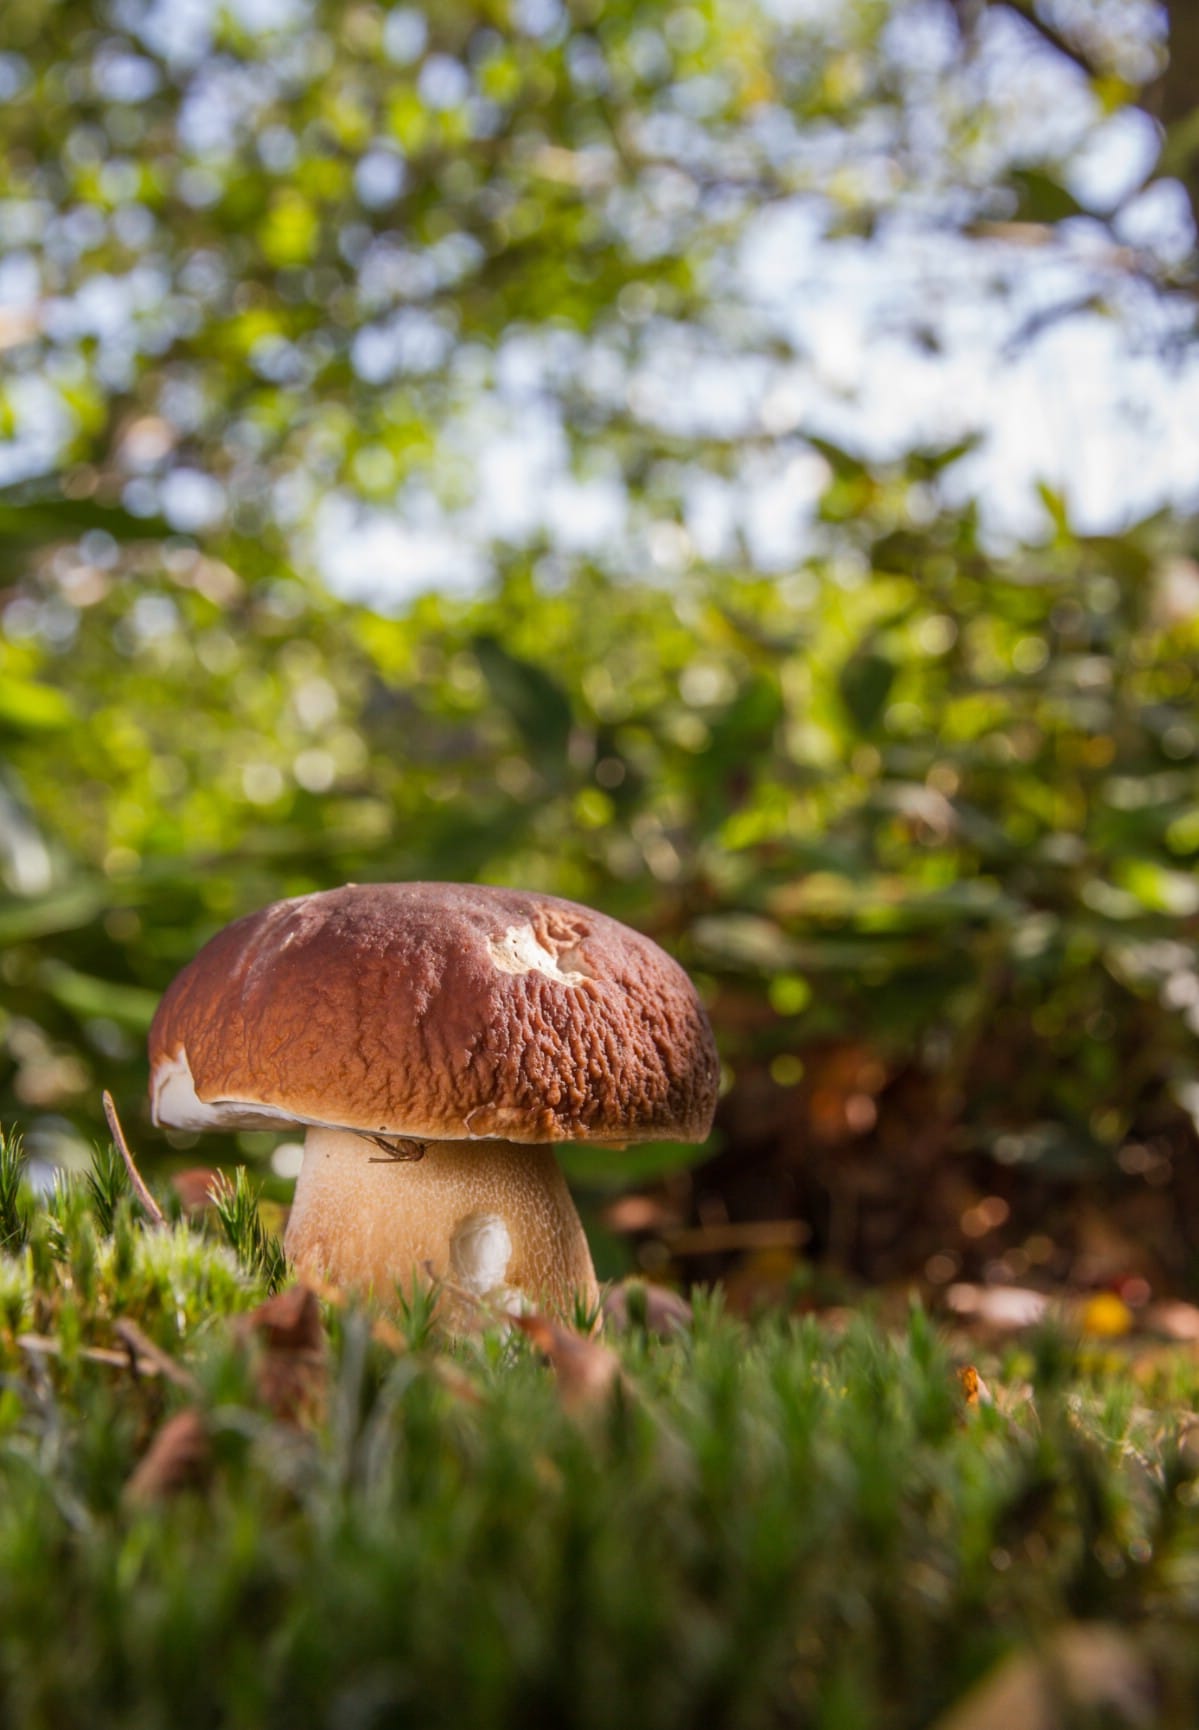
(145, 1356)
(148, 1204)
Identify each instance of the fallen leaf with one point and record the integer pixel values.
(288, 1322)
(286, 1338)
(975, 1390)
(998, 1306)
(587, 1371)
(1105, 1316)
(1090, 1668)
(194, 1188)
(179, 1458)
(632, 1213)
(1174, 1321)
(653, 1308)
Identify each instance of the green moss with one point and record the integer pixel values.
(767, 1524)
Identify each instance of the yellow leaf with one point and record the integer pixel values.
(289, 233)
(1106, 1316)
(976, 1391)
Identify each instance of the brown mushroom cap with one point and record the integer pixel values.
(438, 1011)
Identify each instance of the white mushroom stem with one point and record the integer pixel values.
(485, 1214)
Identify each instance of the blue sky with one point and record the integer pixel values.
(1101, 405)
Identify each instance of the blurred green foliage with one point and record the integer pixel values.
(909, 797)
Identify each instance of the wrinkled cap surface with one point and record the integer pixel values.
(439, 1011)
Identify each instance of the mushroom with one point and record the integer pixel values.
(436, 1040)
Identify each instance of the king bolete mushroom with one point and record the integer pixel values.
(437, 1040)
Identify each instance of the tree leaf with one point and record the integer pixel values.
(536, 702)
(1040, 197)
(26, 707)
(864, 685)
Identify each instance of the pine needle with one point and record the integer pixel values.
(15, 1206)
(106, 1181)
(258, 1250)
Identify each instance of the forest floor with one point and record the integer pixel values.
(223, 1505)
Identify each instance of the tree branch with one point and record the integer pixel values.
(1050, 34)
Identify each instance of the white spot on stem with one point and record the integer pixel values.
(480, 1250)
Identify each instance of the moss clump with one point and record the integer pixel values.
(752, 1525)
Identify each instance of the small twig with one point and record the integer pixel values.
(969, 18)
(1057, 39)
(145, 1356)
(148, 1204)
(140, 1356)
(746, 1234)
(46, 1346)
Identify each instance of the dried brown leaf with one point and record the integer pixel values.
(1002, 1307)
(194, 1188)
(179, 1458)
(288, 1322)
(587, 1372)
(636, 1303)
(632, 1213)
(1081, 1667)
(975, 1390)
(1173, 1321)
(286, 1339)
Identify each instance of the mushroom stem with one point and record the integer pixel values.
(359, 1220)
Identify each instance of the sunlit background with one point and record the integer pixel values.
(734, 465)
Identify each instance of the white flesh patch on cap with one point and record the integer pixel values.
(520, 951)
(480, 1250)
(175, 1103)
